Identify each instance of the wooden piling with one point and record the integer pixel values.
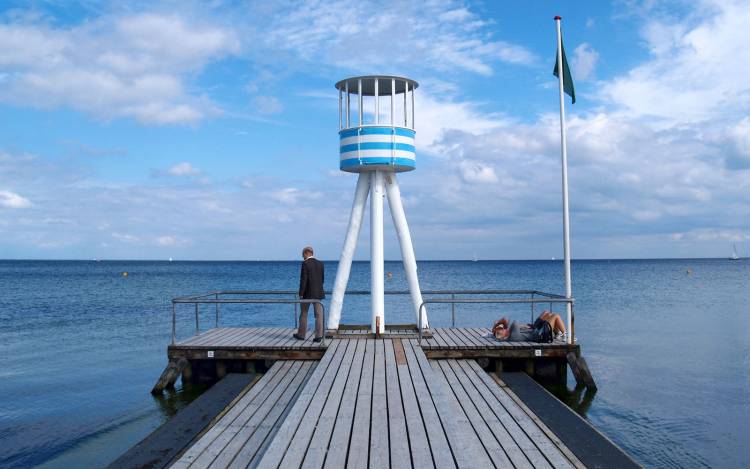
(169, 375)
(581, 370)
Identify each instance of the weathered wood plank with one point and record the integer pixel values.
(230, 440)
(467, 451)
(251, 398)
(482, 431)
(536, 435)
(342, 430)
(245, 447)
(439, 447)
(323, 430)
(379, 451)
(488, 405)
(325, 398)
(359, 443)
(418, 443)
(330, 361)
(398, 436)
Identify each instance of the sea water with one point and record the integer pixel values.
(81, 344)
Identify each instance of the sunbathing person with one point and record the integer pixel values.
(515, 332)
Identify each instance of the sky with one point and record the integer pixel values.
(208, 130)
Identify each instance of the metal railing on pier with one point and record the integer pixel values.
(452, 297)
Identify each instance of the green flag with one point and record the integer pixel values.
(567, 79)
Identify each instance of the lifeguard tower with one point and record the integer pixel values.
(376, 131)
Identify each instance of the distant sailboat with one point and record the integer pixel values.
(734, 255)
(475, 258)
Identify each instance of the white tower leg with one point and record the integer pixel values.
(377, 280)
(347, 253)
(407, 249)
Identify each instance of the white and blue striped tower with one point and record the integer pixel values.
(377, 143)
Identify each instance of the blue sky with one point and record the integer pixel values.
(208, 130)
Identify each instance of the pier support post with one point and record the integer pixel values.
(347, 252)
(377, 280)
(169, 375)
(581, 371)
(407, 248)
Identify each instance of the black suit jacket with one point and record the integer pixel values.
(311, 279)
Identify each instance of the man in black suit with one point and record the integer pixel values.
(310, 287)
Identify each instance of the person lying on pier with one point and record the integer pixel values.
(546, 327)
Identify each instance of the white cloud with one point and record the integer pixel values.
(445, 36)
(183, 169)
(695, 73)
(584, 61)
(10, 199)
(475, 172)
(267, 105)
(293, 195)
(125, 237)
(134, 66)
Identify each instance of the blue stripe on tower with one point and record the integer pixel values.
(376, 146)
(354, 162)
(377, 131)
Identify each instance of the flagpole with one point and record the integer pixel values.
(566, 218)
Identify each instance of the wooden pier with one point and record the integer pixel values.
(357, 400)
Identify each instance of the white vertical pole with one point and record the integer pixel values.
(347, 253)
(393, 101)
(406, 91)
(348, 104)
(566, 218)
(413, 89)
(377, 103)
(359, 91)
(341, 122)
(377, 280)
(407, 249)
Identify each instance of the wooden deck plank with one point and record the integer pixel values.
(481, 430)
(192, 340)
(467, 451)
(438, 442)
(226, 445)
(398, 437)
(248, 442)
(215, 338)
(323, 430)
(326, 399)
(471, 383)
(342, 430)
(359, 442)
(235, 412)
(535, 434)
(275, 452)
(379, 451)
(418, 444)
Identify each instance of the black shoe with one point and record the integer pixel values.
(297, 336)
(317, 339)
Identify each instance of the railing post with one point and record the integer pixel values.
(174, 324)
(532, 308)
(323, 309)
(453, 310)
(571, 337)
(294, 306)
(419, 323)
(197, 326)
(217, 311)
